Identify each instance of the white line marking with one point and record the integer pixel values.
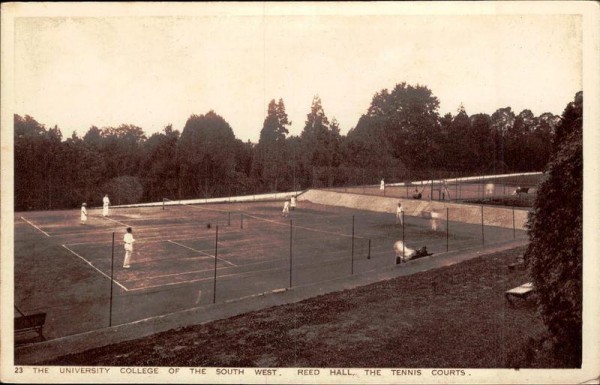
(167, 284)
(36, 227)
(200, 251)
(98, 270)
(110, 219)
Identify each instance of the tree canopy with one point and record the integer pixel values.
(401, 136)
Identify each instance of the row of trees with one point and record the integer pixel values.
(401, 137)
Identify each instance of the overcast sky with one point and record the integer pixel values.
(155, 70)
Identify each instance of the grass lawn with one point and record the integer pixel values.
(451, 317)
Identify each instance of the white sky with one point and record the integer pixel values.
(152, 70)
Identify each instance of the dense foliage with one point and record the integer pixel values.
(555, 252)
(400, 137)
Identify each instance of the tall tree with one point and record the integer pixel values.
(480, 142)
(320, 144)
(204, 156)
(159, 165)
(502, 121)
(271, 153)
(411, 121)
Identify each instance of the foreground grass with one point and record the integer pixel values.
(450, 317)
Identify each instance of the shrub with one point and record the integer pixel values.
(554, 255)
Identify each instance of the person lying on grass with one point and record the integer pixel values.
(404, 253)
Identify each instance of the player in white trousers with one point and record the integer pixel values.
(128, 240)
(286, 209)
(399, 214)
(435, 218)
(105, 204)
(84, 213)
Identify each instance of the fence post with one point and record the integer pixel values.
(112, 264)
(514, 230)
(447, 226)
(291, 227)
(482, 234)
(369, 254)
(352, 270)
(215, 277)
(403, 243)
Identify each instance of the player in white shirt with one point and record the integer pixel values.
(128, 240)
(382, 185)
(293, 203)
(105, 204)
(399, 214)
(84, 213)
(286, 209)
(435, 218)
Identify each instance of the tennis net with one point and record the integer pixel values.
(200, 212)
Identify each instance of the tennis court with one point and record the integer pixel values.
(188, 256)
(454, 190)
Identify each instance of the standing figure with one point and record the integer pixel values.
(399, 214)
(293, 203)
(105, 204)
(434, 219)
(286, 209)
(128, 240)
(382, 185)
(84, 213)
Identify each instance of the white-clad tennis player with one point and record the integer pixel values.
(286, 209)
(399, 214)
(293, 203)
(128, 240)
(84, 213)
(105, 204)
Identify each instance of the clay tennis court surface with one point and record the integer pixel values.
(68, 270)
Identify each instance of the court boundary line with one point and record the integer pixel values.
(200, 251)
(114, 220)
(45, 233)
(95, 268)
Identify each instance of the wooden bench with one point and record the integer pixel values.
(33, 323)
(522, 292)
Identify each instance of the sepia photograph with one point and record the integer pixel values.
(300, 193)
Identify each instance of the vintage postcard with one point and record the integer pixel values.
(300, 192)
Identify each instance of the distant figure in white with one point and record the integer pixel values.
(293, 203)
(489, 189)
(382, 185)
(128, 240)
(403, 253)
(399, 214)
(286, 209)
(84, 213)
(105, 204)
(435, 218)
